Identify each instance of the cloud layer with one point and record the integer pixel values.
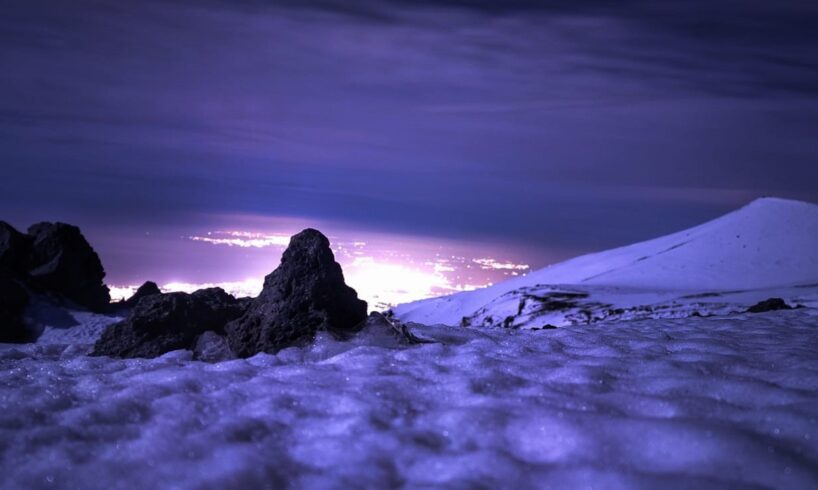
(543, 122)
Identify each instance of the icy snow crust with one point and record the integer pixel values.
(767, 248)
(693, 403)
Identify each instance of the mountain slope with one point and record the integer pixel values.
(770, 243)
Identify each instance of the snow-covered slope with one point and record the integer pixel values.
(768, 244)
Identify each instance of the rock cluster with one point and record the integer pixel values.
(13, 296)
(63, 262)
(13, 302)
(14, 250)
(305, 294)
(771, 304)
(53, 259)
(149, 288)
(161, 323)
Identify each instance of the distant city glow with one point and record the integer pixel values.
(385, 284)
(384, 270)
(493, 264)
(243, 239)
(119, 293)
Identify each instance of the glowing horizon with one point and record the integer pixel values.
(384, 270)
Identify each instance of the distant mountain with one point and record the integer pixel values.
(768, 247)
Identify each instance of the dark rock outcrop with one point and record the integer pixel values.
(13, 302)
(61, 261)
(305, 294)
(148, 289)
(14, 298)
(771, 304)
(380, 323)
(165, 322)
(211, 347)
(14, 249)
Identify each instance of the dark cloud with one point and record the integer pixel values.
(577, 124)
(740, 47)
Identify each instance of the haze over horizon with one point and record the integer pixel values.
(523, 132)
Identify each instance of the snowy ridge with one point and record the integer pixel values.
(769, 246)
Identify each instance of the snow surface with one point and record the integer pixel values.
(692, 403)
(66, 326)
(768, 247)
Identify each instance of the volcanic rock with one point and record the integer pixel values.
(13, 302)
(212, 347)
(378, 323)
(62, 261)
(771, 304)
(305, 294)
(14, 249)
(148, 289)
(161, 323)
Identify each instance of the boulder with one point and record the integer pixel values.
(771, 304)
(13, 302)
(162, 323)
(61, 261)
(212, 347)
(378, 323)
(14, 249)
(305, 294)
(148, 289)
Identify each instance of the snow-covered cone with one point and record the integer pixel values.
(305, 294)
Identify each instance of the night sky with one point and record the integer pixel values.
(548, 128)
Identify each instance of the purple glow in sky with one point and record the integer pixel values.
(385, 269)
(520, 131)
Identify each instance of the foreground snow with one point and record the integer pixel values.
(692, 403)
